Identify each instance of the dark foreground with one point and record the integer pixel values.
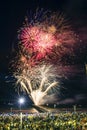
(44, 121)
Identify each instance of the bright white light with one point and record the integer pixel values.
(21, 100)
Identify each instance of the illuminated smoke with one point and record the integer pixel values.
(38, 82)
(44, 39)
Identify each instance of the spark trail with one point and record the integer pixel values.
(44, 40)
(44, 81)
(41, 36)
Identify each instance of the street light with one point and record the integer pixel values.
(21, 102)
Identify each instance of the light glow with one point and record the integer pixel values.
(21, 100)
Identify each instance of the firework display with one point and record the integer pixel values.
(43, 40)
(37, 81)
(41, 36)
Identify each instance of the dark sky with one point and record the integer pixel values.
(12, 15)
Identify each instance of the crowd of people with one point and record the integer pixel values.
(44, 121)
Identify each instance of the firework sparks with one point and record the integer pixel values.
(38, 85)
(42, 36)
(45, 38)
(38, 40)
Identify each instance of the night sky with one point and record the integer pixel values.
(12, 16)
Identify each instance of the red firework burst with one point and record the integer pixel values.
(40, 41)
(41, 37)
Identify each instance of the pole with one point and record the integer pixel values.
(74, 108)
(21, 120)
